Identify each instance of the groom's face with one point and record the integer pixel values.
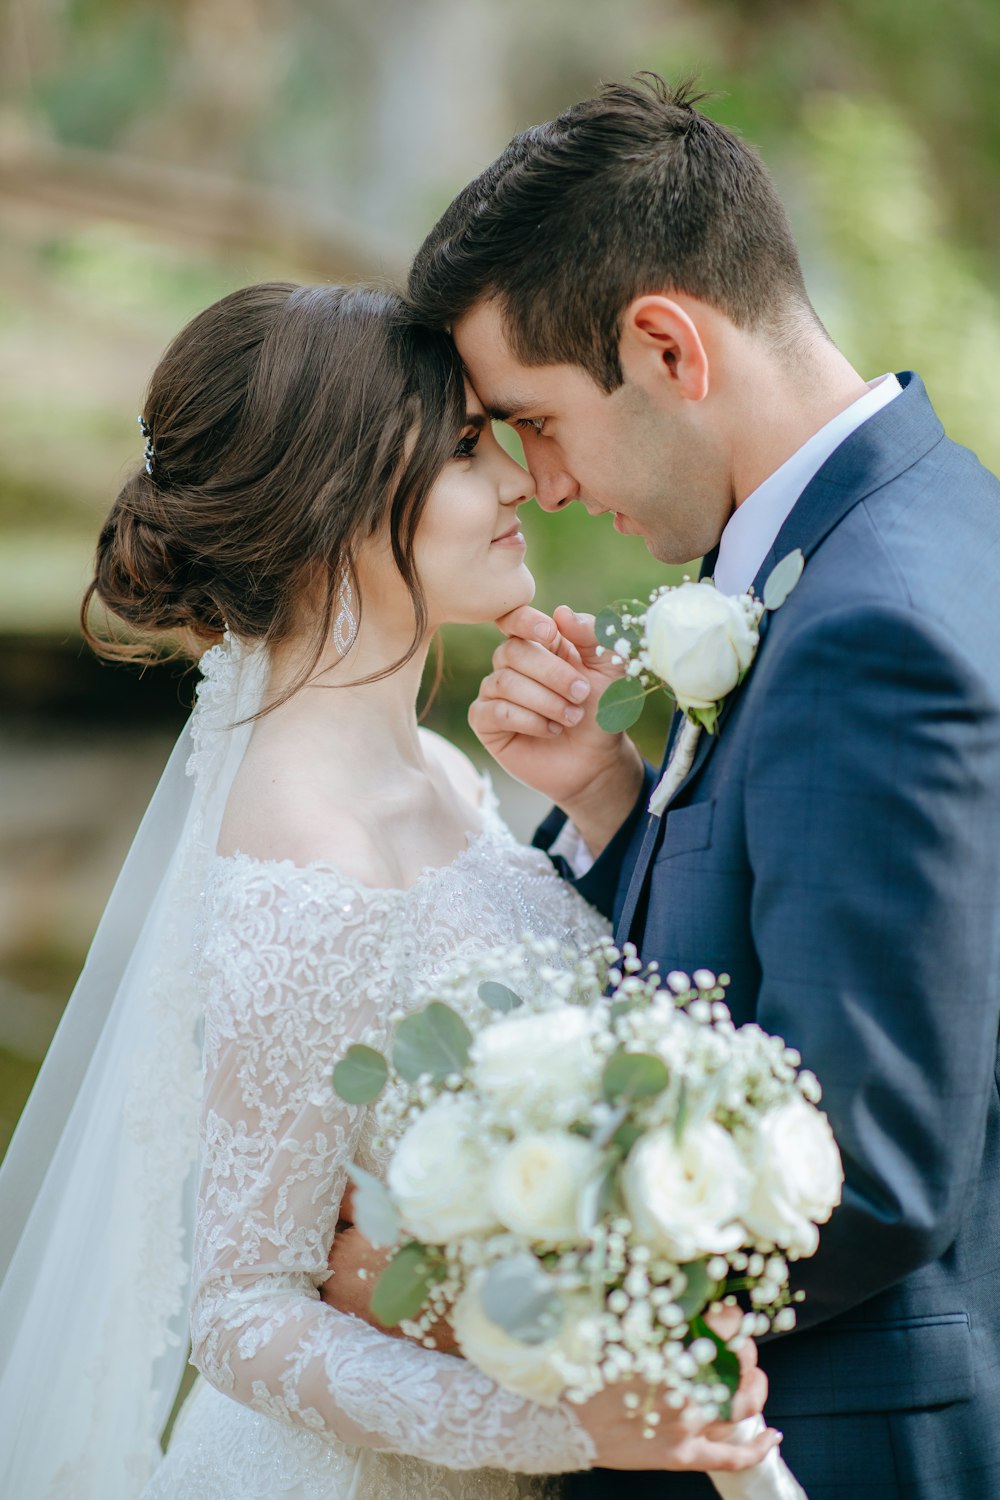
(625, 453)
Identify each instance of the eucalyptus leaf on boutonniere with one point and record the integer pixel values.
(692, 642)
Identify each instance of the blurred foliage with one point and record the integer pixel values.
(878, 122)
(155, 153)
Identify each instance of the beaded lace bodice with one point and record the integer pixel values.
(296, 963)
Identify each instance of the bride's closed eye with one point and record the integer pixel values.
(466, 445)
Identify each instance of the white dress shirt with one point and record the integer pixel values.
(753, 527)
(752, 530)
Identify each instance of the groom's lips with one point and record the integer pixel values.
(620, 523)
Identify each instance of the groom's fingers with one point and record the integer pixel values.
(728, 1458)
(529, 674)
(531, 625)
(509, 686)
(747, 1402)
(578, 631)
(491, 719)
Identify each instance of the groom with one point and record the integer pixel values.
(624, 289)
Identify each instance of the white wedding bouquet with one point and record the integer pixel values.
(585, 1158)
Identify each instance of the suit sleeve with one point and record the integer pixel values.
(605, 884)
(873, 826)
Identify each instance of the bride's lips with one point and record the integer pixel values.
(512, 537)
(620, 523)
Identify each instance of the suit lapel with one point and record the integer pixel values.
(880, 449)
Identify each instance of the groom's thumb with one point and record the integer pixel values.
(578, 629)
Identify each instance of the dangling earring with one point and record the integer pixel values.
(345, 627)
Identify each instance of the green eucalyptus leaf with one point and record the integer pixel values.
(700, 1291)
(622, 1007)
(626, 1136)
(681, 1117)
(403, 1286)
(597, 1195)
(361, 1074)
(521, 1299)
(783, 578)
(600, 1137)
(725, 1364)
(634, 1075)
(608, 627)
(621, 705)
(435, 1041)
(374, 1211)
(498, 997)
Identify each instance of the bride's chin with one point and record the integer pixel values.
(522, 592)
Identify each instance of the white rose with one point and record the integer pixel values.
(547, 1058)
(700, 642)
(687, 1199)
(797, 1176)
(536, 1184)
(540, 1372)
(439, 1175)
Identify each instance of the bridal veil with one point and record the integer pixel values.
(97, 1188)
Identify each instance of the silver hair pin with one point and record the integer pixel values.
(147, 433)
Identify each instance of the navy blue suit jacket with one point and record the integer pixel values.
(835, 849)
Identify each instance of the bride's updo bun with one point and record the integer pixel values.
(284, 425)
(144, 578)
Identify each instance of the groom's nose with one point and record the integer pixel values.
(554, 486)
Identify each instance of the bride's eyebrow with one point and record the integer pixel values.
(476, 419)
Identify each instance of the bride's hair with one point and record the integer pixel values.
(284, 426)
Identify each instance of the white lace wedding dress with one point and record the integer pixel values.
(298, 1401)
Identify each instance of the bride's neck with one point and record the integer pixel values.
(374, 720)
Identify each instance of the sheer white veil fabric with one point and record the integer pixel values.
(97, 1188)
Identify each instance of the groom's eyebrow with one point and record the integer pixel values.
(504, 410)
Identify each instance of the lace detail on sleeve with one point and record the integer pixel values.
(297, 964)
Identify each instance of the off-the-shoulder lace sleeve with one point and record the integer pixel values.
(297, 964)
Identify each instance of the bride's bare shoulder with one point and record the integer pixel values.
(283, 807)
(455, 764)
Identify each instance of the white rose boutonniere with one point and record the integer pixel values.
(699, 643)
(692, 642)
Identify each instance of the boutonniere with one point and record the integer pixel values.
(692, 642)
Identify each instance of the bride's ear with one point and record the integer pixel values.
(662, 350)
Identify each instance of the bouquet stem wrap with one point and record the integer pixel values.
(771, 1479)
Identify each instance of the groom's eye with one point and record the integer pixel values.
(531, 424)
(467, 444)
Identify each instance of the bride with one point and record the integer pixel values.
(320, 492)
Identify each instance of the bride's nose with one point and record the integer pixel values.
(515, 485)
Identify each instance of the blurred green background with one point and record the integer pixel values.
(153, 156)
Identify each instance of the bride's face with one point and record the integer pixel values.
(468, 549)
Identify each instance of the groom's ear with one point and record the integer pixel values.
(662, 350)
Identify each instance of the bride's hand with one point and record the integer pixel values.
(349, 1291)
(536, 714)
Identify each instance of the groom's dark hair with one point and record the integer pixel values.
(633, 191)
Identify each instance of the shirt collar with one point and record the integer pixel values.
(754, 525)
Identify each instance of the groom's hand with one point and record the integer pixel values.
(681, 1444)
(536, 714)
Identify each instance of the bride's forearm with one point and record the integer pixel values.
(355, 1266)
